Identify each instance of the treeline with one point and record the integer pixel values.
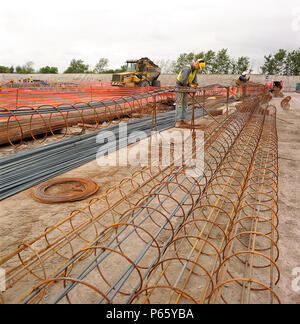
(217, 62)
(282, 62)
(76, 66)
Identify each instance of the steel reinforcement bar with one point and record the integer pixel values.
(251, 252)
(37, 255)
(151, 224)
(199, 259)
(35, 258)
(84, 226)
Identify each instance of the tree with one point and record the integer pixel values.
(209, 59)
(269, 66)
(49, 70)
(183, 60)
(216, 63)
(234, 67)
(282, 62)
(279, 60)
(123, 68)
(5, 69)
(275, 64)
(100, 66)
(222, 62)
(77, 66)
(242, 65)
(27, 68)
(292, 63)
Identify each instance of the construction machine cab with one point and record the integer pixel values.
(139, 73)
(131, 66)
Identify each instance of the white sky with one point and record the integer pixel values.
(55, 32)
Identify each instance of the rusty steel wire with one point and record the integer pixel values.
(251, 252)
(285, 103)
(159, 213)
(58, 242)
(176, 239)
(199, 251)
(37, 256)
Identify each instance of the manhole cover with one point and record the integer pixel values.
(64, 190)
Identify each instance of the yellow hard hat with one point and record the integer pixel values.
(201, 63)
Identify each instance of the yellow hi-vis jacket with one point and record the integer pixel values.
(190, 78)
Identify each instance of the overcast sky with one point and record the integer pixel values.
(55, 32)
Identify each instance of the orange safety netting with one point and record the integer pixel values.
(37, 96)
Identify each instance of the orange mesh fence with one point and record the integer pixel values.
(37, 96)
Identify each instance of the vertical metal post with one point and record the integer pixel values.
(154, 115)
(227, 101)
(203, 100)
(17, 98)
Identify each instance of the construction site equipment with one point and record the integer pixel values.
(139, 73)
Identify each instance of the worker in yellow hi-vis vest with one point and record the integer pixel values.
(186, 78)
(241, 83)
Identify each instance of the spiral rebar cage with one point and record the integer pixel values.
(166, 235)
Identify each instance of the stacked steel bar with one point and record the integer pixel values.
(26, 169)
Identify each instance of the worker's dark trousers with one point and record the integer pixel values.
(181, 103)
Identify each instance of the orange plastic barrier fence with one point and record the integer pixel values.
(37, 96)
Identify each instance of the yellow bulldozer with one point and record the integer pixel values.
(139, 73)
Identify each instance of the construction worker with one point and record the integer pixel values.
(274, 86)
(186, 78)
(241, 83)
